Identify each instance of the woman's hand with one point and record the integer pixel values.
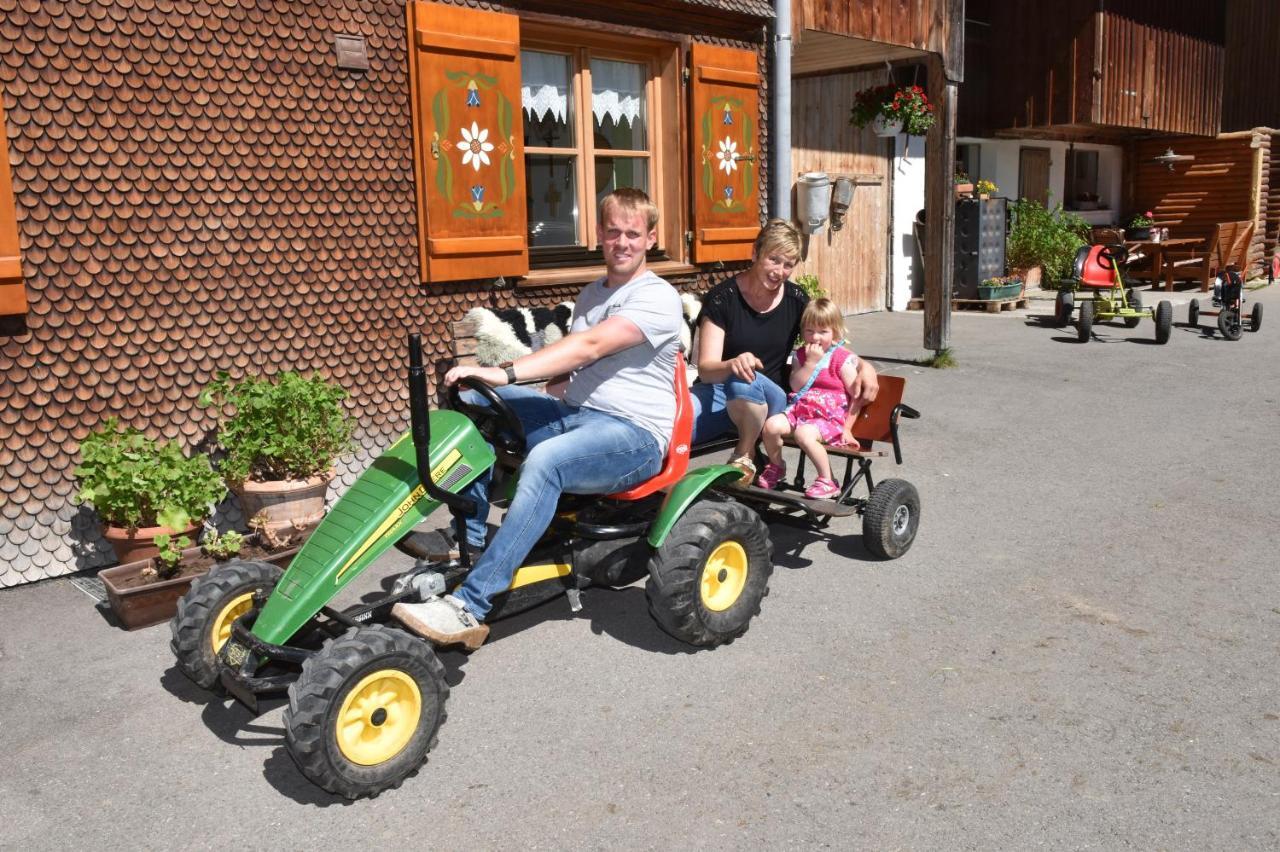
(493, 376)
(744, 366)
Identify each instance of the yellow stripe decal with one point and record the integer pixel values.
(530, 574)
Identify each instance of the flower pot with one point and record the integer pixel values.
(141, 543)
(1004, 291)
(139, 601)
(1138, 233)
(882, 126)
(287, 505)
(1030, 277)
(985, 196)
(963, 190)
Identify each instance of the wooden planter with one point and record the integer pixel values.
(142, 604)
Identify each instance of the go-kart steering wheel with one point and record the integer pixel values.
(496, 421)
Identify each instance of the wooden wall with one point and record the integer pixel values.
(936, 26)
(1251, 97)
(852, 263)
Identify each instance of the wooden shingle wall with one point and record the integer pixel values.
(199, 188)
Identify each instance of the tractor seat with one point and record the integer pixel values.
(1095, 266)
(677, 449)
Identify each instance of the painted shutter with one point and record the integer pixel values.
(13, 294)
(725, 128)
(464, 70)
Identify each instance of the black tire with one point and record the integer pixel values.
(1255, 317)
(891, 519)
(707, 580)
(205, 613)
(388, 731)
(1229, 324)
(1164, 322)
(1135, 302)
(1193, 312)
(1063, 306)
(1084, 322)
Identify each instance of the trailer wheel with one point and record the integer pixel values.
(707, 580)
(891, 519)
(1255, 317)
(206, 612)
(1084, 323)
(1063, 306)
(1134, 299)
(1164, 322)
(365, 711)
(1229, 323)
(1193, 312)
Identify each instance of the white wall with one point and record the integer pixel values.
(905, 274)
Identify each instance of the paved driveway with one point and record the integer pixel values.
(1080, 651)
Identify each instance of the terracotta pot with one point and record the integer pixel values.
(963, 190)
(141, 543)
(289, 504)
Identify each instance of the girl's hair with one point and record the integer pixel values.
(823, 313)
(778, 235)
(629, 200)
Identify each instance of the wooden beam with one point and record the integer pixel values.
(940, 208)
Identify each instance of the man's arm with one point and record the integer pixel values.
(562, 357)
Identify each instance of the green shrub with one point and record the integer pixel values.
(131, 481)
(809, 284)
(1045, 238)
(291, 428)
(223, 546)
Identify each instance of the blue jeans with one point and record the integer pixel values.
(574, 450)
(710, 403)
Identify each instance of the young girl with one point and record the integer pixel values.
(822, 408)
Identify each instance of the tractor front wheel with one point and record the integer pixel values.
(1164, 322)
(1193, 312)
(1229, 323)
(1134, 298)
(707, 580)
(365, 711)
(1255, 317)
(1063, 307)
(1084, 323)
(891, 518)
(206, 612)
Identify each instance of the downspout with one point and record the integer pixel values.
(780, 194)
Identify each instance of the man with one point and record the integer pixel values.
(601, 427)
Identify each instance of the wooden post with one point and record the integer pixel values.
(940, 208)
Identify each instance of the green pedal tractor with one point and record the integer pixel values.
(366, 698)
(1097, 271)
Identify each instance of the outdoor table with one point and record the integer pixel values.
(1154, 249)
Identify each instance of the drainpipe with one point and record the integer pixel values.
(780, 194)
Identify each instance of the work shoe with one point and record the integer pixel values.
(822, 489)
(435, 546)
(748, 468)
(444, 621)
(771, 475)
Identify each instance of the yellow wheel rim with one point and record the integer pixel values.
(724, 576)
(378, 717)
(221, 631)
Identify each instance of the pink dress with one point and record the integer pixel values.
(826, 402)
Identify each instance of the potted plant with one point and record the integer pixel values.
(985, 189)
(1002, 287)
(143, 490)
(281, 439)
(962, 184)
(1042, 243)
(891, 110)
(1139, 227)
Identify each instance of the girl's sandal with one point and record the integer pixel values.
(748, 468)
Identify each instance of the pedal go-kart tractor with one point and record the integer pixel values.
(1097, 272)
(1228, 297)
(366, 697)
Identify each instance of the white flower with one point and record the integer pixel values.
(725, 155)
(475, 149)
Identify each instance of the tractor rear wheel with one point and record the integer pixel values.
(206, 612)
(1229, 323)
(1255, 317)
(1135, 303)
(1164, 322)
(1084, 323)
(707, 580)
(1193, 312)
(892, 516)
(365, 711)
(1063, 307)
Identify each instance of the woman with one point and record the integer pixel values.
(749, 325)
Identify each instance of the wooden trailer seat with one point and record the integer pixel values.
(1228, 245)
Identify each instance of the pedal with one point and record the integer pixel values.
(575, 599)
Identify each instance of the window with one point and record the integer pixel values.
(969, 160)
(1082, 180)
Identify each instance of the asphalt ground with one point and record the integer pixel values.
(1078, 652)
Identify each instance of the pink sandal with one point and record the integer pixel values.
(822, 489)
(771, 476)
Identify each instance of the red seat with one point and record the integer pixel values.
(677, 450)
(1096, 266)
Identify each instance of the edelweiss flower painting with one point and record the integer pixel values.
(475, 148)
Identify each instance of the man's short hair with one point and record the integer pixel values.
(629, 200)
(778, 235)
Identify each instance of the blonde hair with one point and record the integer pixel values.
(629, 200)
(823, 313)
(778, 235)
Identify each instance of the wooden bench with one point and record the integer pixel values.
(1227, 245)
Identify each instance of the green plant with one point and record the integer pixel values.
(1045, 238)
(985, 187)
(170, 553)
(907, 104)
(809, 284)
(960, 177)
(131, 481)
(941, 359)
(1142, 220)
(222, 546)
(1002, 280)
(291, 428)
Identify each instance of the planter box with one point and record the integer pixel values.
(1138, 233)
(144, 604)
(1005, 291)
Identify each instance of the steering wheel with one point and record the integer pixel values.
(496, 421)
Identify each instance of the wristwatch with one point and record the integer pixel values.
(509, 367)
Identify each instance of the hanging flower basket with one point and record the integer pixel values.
(882, 106)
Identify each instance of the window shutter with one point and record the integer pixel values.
(13, 294)
(725, 132)
(464, 71)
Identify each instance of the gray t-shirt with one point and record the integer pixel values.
(636, 383)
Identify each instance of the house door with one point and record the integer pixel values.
(1033, 174)
(852, 264)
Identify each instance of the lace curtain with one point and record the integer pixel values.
(617, 88)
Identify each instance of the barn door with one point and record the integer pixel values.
(1033, 174)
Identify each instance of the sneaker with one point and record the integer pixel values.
(822, 489)
(771, 475)
(748, 468)
(444, 621)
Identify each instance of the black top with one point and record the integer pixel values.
(769, 336)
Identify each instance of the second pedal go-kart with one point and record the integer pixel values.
(1228, 298)
(1097, 273)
